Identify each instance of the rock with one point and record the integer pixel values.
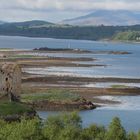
(46, 105)
(61, 49)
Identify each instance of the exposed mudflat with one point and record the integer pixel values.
(33, 83)
(68, 79)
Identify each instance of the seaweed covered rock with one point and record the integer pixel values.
(62, 106)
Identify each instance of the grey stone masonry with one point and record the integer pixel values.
(10, 81)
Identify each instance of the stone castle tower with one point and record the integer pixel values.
(10, 81)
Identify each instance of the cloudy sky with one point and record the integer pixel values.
(57, 10)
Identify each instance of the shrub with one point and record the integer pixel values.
(116, 131)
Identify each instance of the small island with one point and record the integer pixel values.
(67, 50)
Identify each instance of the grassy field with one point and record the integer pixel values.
(12, 108)
(51, 95)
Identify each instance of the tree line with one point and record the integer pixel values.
(66, 32)
(63, 127)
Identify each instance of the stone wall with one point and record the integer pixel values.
(10, 80)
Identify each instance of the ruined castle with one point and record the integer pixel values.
(10, 81)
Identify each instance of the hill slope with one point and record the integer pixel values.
(33, 23)
(106, 17)
(66, 32)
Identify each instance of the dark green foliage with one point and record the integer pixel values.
(138, 136)
(25, 130)
(63, 127)
(132, 136)
(94, 132)
(116, 131)
(64, 31)
(128, 36)
(10, 108)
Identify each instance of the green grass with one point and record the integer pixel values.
(52, 95)
(119, 86)
(11, 108)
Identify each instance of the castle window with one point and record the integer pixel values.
(6, 79)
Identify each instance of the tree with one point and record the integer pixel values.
(94, 132)
(52, 128)
(63, 127)
(24, 130)
(132, 136)
(116, 131)
(138, 136)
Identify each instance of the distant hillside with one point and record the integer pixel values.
(106, 17)
(127, 36)
(33, 23)
(36, 29)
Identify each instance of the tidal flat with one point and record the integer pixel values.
(106, 72)
(44, 71)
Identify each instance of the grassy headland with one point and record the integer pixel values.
(57, 99)
(52, 95)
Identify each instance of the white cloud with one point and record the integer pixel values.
(60, 8)
(71, 4)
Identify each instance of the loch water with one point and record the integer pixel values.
(125, 66)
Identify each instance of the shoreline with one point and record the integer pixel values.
(66, 79)
(90, 40)
(35, 83)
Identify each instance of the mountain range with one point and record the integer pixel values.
(32, 23)
(106, 17)
(98, 25)
(96, 18)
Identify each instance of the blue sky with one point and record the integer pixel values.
(57, 10)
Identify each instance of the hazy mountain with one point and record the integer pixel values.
(106, 17)
(33, 23)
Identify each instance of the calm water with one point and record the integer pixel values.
(128, 112)
(117, 66)
(129, 118)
